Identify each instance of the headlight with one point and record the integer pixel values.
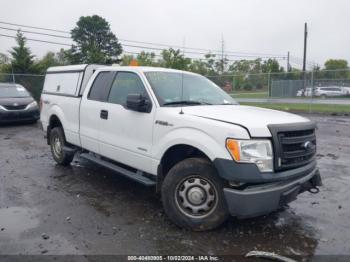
(2, 108)
(32, 104)
(258, 152)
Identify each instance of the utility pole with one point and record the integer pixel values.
(288, 66)
(305, 45)
(222, 54)
(184, 45)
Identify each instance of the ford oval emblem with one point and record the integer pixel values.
(308, 145)
(15, 104)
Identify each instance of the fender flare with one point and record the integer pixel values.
(192, 137)
(55, 111)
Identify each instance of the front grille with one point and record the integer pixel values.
(293, 146)
(17, 107)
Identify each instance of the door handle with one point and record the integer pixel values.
(104, 114)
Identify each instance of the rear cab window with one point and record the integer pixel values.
(101, 86)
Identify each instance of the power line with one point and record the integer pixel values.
(125, 51)
(34, 27)
(136, 46)
(197, 53)
(208, 50)
(37, 33)
(300, 61)
(237, 54)
(64, 44)
(38, 40)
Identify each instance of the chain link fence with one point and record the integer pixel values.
(313, 91)
(33, 83)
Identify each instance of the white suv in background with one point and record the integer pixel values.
(328, 91)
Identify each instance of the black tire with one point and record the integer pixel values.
(58, 153)
(195, 170)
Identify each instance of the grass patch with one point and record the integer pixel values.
(250, 95)
(314, 108)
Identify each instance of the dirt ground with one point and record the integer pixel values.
(85, 209)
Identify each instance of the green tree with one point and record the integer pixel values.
(22, 63)
(272, 66)
(338, 69)
(199, 66)
(174, 59)
(51, 59)
(4, 63)
(336, 64)
(221, 65)
(21, 56)
(245, 66)
(3, 59)
(146, 59)
(47, 61)
(210, 63)
(126, 59)
(95, 42)
(62, 58)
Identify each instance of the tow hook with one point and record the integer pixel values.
(314, 183)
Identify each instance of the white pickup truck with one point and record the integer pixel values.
(208, 156)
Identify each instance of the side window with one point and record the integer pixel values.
(125, 83)
(101, 86)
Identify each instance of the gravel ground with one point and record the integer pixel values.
(87, 210)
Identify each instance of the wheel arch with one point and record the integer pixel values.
(54, 121)
(175, 154)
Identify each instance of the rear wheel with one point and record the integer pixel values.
(57, 143)
(192, 195)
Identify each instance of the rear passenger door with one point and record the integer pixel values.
(93, 111)
(126, 136)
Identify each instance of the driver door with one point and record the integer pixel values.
(126, 136)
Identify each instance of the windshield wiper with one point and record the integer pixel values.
(186, 102)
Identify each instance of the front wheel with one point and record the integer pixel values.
(57, 143)
(192, 195)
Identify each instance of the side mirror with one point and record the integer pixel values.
(138, 102)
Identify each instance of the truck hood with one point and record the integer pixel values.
(255, 119)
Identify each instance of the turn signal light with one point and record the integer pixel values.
(233, 147)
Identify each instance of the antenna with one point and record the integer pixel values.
(182, 91)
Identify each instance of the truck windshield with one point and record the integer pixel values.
(174, 89)
(13, 91)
